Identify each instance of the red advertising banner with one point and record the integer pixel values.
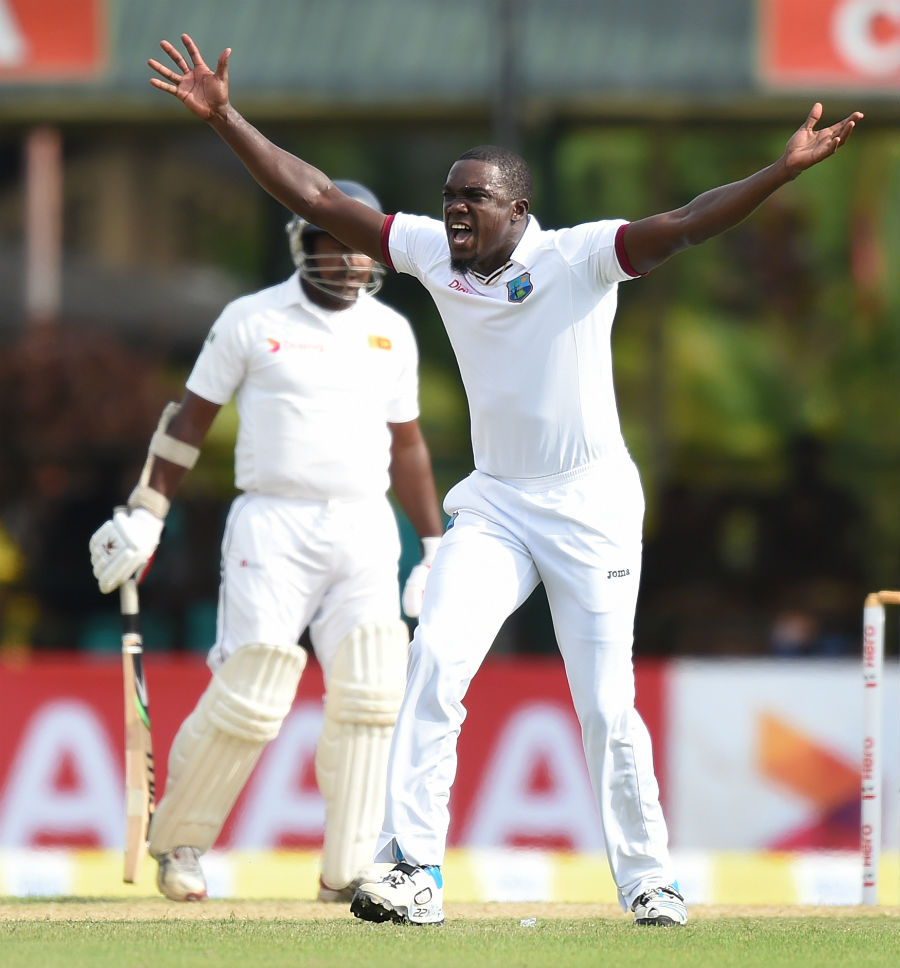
(52, 39)
(852, 44)
(522, 779)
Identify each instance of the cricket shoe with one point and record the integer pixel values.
(180, 876)
(408, 895)
(662, 906)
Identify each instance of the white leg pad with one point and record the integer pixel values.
(364, 690)
(217, 746)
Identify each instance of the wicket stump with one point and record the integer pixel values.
(871, 787)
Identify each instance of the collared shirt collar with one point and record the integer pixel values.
(528, 244)
(520, 257)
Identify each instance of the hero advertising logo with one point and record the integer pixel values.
(869, 664)
(868, 767)
(867, 848)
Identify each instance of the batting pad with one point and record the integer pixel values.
(218, 745)
(364, 690)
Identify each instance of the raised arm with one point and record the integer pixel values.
(299, 186)
(650, 241)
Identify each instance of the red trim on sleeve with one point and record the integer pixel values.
(385, 250)
(622, 255)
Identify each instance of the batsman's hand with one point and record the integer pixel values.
(201, 90)
(414, 589)
(123, 546)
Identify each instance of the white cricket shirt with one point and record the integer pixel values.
(533, 343)
(315, 391)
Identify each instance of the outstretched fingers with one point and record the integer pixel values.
(847, 125)
(819, 143)
(166, 73)
(222, 66)
(170, 79)
(193, 52)
(162, 85)
(842, 130)
(814, 116)
(175, 54)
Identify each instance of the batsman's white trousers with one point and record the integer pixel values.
(289, 564)
(580, 533)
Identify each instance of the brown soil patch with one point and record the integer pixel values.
(153, 909)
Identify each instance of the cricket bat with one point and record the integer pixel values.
(140, 787)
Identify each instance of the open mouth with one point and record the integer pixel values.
(459, 233)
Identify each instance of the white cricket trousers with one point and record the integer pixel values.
(580, 534)
(289, 563)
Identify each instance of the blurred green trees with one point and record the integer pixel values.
(786, 328)
(788, 324)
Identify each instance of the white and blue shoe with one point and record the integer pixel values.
(407, 895)
(662, 906)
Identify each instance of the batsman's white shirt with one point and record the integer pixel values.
(312, 541)
(315, 391)
(555, 498)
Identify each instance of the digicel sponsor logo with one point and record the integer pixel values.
(52, 39)
(845, 43)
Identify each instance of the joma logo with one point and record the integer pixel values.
(620, 573)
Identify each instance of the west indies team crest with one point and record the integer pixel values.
(520, 287)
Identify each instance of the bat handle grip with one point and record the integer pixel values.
(128, 597)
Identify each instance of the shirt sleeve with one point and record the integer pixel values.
(414, 243)
(220, 367)
(599, 248)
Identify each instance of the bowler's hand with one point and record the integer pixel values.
(201, 90)
(808, 146)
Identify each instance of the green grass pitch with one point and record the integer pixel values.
(157, 934)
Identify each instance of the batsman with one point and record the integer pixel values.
(325, 379)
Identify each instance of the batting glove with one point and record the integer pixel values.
(414, 589)
(123, 546)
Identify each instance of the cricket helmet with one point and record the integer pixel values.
(300, 234)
